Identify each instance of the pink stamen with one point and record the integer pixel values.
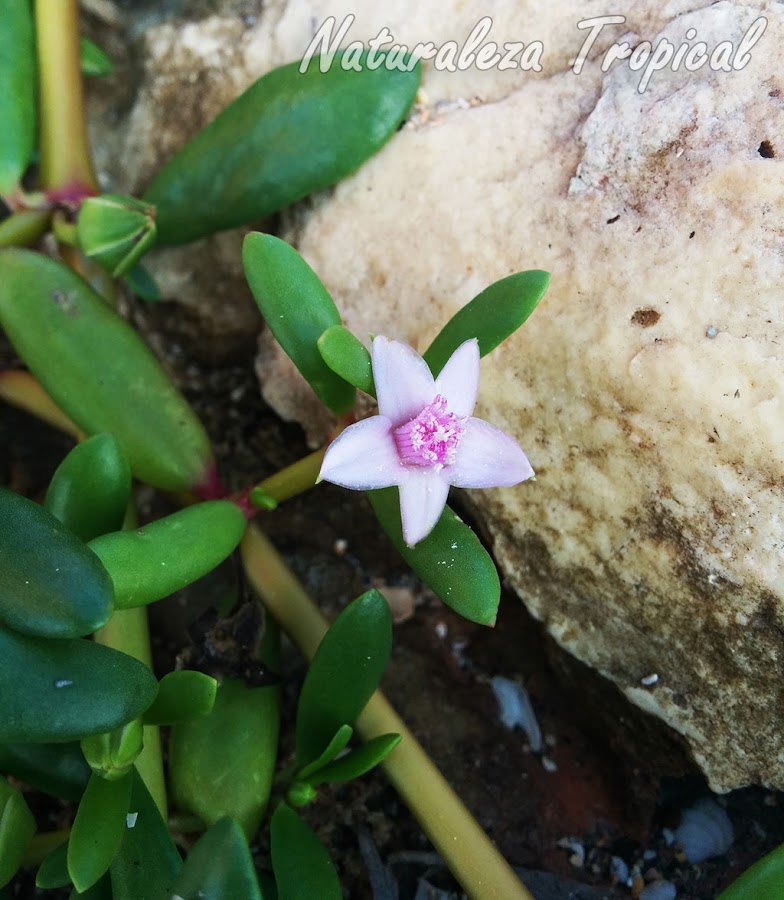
(432, 438)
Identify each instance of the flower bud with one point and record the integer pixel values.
(115, 231)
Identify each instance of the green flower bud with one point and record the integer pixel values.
(112, 754)
(115, 231)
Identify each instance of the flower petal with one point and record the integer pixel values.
(363, 457)
(422, 500)
(404, 383)
(458, 381)
(487, 457)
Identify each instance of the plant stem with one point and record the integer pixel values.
(23, 228)
(128, 631)
(481, 870)
(294, 479)
(65, 158)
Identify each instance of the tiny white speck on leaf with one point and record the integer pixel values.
(130, 819)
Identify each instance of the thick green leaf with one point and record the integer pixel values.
(348, 357)
(338, 743)
(297, 309)
(56, 769)
(182, 696)
(98, 829)
(301, 865)
(99, 371)
(358, 761)
(154, 561)
(90, 488)
(18, 94)
(94, 61)
(490, 317)
(17, 826)
(450, 560)
(70, 688)
(762, 881)
(344, 673)
(51, 583)
(143, 284)
(219, 867)
(147, 863)
(222, 765)
(53, 871)
(288, 135)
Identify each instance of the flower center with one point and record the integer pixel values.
(432, 438)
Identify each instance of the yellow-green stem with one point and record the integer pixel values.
(65, 157)
(294, 479)
(128, 631)
(23, 228)
(474, 861)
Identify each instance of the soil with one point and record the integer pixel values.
(610, 779)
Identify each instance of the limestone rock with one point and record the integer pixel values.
(647, 388)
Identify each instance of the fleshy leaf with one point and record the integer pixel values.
(301, 865)
(18, 96)
(348, 357)
(51, 584)
(71, 688)
(158, 559)
(219, 867)
(297, 309)
(94, 61)
(491, 316)
(344, 673)
(143, 284)
(53, 871)
(147, 863)
(90, 488)
(182, 696)
(17, 826)
(288, 135)
(450, 560)
(56, 769)
(222, 765)
(338, 743)
(358, 761)
(98, 829)
(762, 881)
(99, 371)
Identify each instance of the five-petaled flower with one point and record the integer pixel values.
(424, 438)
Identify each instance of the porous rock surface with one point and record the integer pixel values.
(647, 387)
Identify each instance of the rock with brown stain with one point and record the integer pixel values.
(647, 388)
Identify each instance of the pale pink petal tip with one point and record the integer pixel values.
(488, 457)
(458, 381)
(422, 500)
(363, 457)
(404, 383)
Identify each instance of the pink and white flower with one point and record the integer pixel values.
(424, 438)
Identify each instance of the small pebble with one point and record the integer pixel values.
(705, 831)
